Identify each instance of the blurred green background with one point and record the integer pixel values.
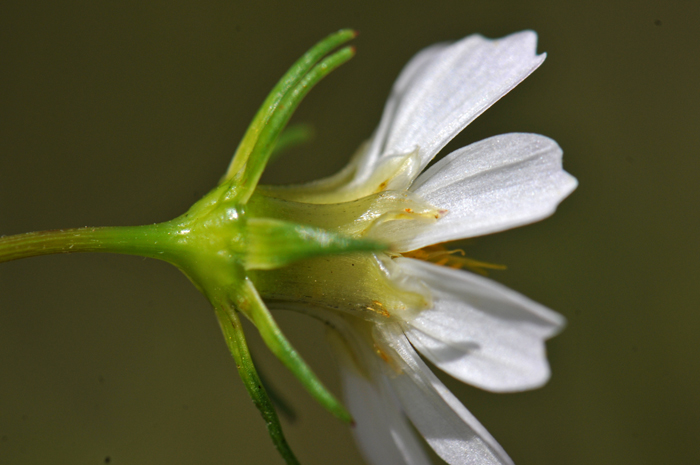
(122, 113)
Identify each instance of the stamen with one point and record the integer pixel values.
(378, 307)
(405, 214)
(381, 353)
(442, 256)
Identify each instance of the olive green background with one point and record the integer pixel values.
(123, 113)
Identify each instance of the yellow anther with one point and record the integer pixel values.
(378, 307)
(441, 255)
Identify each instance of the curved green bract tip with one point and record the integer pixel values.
(259, 141)
(235, 340)
(247, 300)
(293, 136)
(275, 243)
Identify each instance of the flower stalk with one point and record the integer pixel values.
(148, 241)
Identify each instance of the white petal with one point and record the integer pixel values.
(454, 433)
(420, 62)
(445, 88)
(489, 186)
(480, 331)
(381, 429)
(363, 170)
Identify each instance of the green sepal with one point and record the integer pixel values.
(247, 300)
(274, 243)
(235, 340)
(293, 136)
(274, 98)
(259, 141)
(249, 176)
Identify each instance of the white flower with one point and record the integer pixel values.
(472, 328)
(296, 247)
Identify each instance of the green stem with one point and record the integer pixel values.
(149, 241)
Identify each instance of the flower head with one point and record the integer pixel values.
(361, 251)
(383, 308)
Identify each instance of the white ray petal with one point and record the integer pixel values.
(489, 186)
(453, 433)
(410, 73)
(381, 429)
(444, 88)
(480, 331)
